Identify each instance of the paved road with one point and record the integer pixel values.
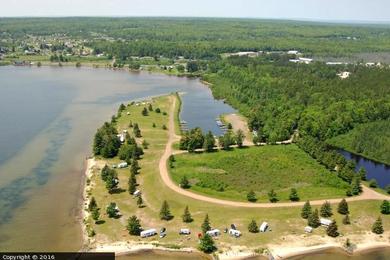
(368, 194)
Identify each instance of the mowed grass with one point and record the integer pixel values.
(232, 174)
(283, 221)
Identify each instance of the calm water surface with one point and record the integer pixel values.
(48, 117)
(337, 254)
(378, 171)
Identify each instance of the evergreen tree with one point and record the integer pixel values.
(165, 213)
(206, 244)
(95, 214)
(184, 183)
(209, 142)
(362, 174)
(377, 227)
(251, 196)
(158, 110)
(343, 207)
(387, 189)
(356, 187)
(240, 138)
(385, 207)
(294, 195)
(140, 201)
(112, 182)
(326, 210)
(136, 130)
(206, 224)
(145, 112)
(332, 230)
(252, 227)
(150, 107)
(134, 167)
(306, 210)
(111, 210)
(272, 196)
(346, 220)
(132, 183)
(314, 220)
(187, 218)
(133, 226)
(92, 204)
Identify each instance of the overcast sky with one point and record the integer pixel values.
(348, 10)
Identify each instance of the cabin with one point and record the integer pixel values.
(234, 232)
(148, 233)
(263, 227)
(137, 193)
(122, 165)
(308, 229)
(213, 233)
(184, 231)
(325, 222)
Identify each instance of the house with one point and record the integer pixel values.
(308, 229)
(234, 232)
(263, 227)
(122, 165)
(325, 222)
(213, 233)
(184, 231)
(148, 233)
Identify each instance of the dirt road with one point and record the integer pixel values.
(368, 194)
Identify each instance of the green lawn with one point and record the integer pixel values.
(231, 174)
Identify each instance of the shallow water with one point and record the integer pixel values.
(48, 117)
(163, 255)
(338, 254)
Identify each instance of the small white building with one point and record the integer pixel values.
(308, 229)
(122, 165)
(213, 233)
(234, 232)
(263, 227)
(325, 222)
(148, 233)
(184, 231)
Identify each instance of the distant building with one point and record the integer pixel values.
(344, 74)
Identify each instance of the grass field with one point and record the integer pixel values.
(283, 221)
(232, 174)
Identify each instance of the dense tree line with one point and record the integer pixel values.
(106, 142)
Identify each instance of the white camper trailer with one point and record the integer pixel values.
(213, 233)
(148, 233)
(263, 227)
(184, 231)
(234, 232)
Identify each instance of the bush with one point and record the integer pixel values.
(252, 227)
(373, 183)
(251, 196)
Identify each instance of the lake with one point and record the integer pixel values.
(48, 118)
(378, 171)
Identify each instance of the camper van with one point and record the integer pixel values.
(137, 193)
(213, 233)
(122, 165)
(184, 231)
(148, 233)
(263, 227)
(234, 232)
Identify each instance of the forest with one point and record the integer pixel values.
(203, 38)
(280, 97)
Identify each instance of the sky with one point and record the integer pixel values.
(332, 10)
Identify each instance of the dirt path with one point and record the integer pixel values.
(368, 194)
(238, 122)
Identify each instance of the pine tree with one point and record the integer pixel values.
(385, 207)
(356, 187)
(165, 213)
(240, 138)
(95, 214)
(145, 112)
(314, 220)
(184, 183)
(206, 244)
(132, 183)
(150, 108)
(92, 204)
(332, 229)
(346, 220)
(134, 167)
(251, 196)
(187, 218)
(209, 142)
(377, 227)
(133, 226)
(252, 227)
(362, 174)
(140, 201)
(272, 196)
(206, 224)
(294, 195)
(111, 210)
(326, 210)
(343, 207)
(306, 210)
